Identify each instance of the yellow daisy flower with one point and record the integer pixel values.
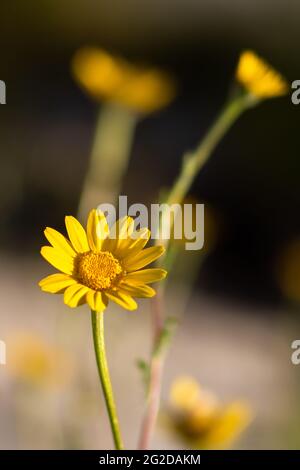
(111, 78)
(99, 264)
(201, 420)
(258, 77)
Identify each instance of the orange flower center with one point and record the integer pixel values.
(97, 270)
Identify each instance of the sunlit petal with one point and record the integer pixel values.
(59, 242)
(97, 229)
(74, 294)
(61, 262)
(146, 276)
(143, 258)
(56, 283)
(122, 299)
(76, 234)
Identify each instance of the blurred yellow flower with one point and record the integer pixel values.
(288, 270)
(33, 361)
(111, 78)
(99, 264)
(201, 420)
(259, 78)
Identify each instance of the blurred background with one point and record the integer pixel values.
(242, 313)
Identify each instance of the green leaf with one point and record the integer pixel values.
(144, 368)
(166, 335)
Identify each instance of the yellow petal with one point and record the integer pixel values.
(124, 300)
(141, 259)
(96, 300)
(56, 283)
(59, 242)
(76, 234)
(231, 423)
(112, 78)
(101, 301)
(145, 276)
(123, 228)
(259, 77)
(61, 262)
(97, 229)
(120, 231)
(90, 299)
(184, 394)
(98, 72)
(74, 294)
(135, 243)
(137, 291)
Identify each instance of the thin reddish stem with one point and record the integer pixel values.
(156, 369)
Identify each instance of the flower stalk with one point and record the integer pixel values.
(193, 162)
(191, 166)
(163, 334)
(99, 344)
(110, 153)
(148, 425)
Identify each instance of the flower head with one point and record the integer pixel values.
(111, 78)
(259, 78)
(201, 420)
(99, 264)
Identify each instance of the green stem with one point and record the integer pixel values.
(109, 158)
(98, 336)
(193, 162)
